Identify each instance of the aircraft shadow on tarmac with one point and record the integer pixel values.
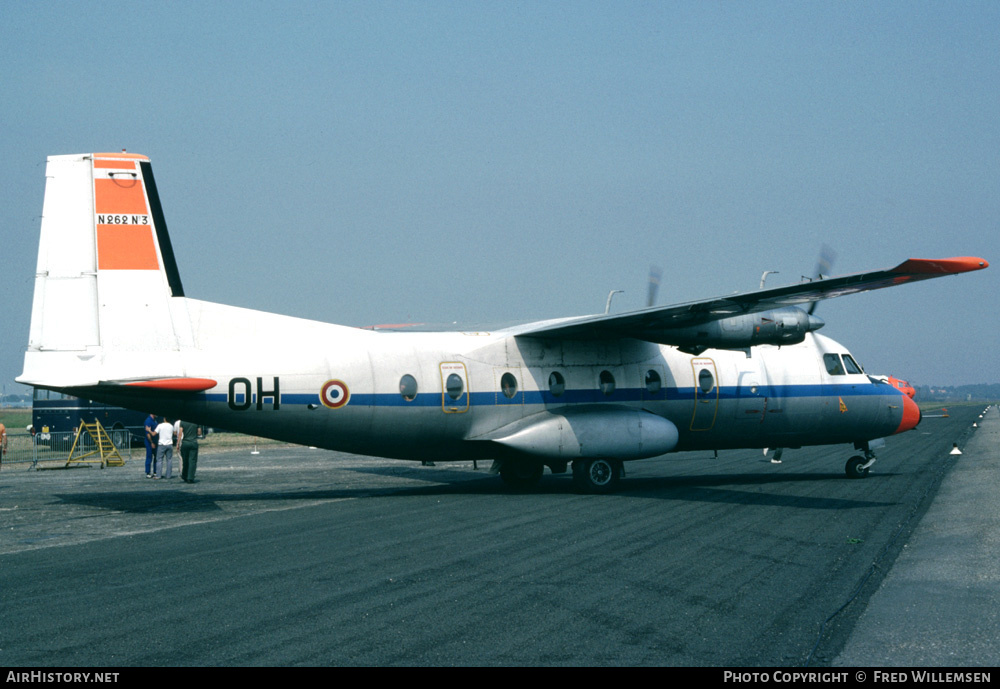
(742, 489)
(723, 488)
(178, 501)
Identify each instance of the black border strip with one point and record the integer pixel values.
(162, 236)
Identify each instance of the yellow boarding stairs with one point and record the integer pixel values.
(104, 451)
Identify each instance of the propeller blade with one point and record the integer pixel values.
(824, 266)
(654, 284)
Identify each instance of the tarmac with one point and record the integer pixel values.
(939, 605)
(383, 562)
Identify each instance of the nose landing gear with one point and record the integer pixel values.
(858, 466)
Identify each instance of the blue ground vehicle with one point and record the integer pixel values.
(55, 418)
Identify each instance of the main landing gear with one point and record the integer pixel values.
(597, 475)
(589, 475)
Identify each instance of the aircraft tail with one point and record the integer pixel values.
(107, 285)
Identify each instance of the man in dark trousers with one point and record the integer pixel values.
(150, 444)
(187, 441)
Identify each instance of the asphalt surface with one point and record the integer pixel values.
(307, 557)
(940, 603)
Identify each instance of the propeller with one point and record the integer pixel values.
(654, 284)
(823, 267)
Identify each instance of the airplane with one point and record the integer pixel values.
(111, 322)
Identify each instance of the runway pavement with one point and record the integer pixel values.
(940, 603)
(307, 557)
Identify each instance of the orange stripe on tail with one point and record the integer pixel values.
(125, 239)
(120, 196)
(115, 164)
(126, 247)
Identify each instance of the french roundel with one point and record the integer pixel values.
(334, 394)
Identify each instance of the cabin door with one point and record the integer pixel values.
(706, 394)
(454, 388)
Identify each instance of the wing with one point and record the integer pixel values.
(671, 324)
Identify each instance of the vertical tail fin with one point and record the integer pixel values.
(106, 270)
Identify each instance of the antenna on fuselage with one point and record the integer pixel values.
(611, 294)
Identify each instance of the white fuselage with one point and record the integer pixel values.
(340, 388)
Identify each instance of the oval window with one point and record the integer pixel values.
(607, 382)
(454, 386)
(557, 384)
(653, 382)
(508, 385)
(706, 381)
(408, 387)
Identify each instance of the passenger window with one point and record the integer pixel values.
(653, 382)
(851, 365)
(557, 384)
(508, 385)
(408, 387)
(832, 363)
(454, 386)
(706, 381)
(607, 382)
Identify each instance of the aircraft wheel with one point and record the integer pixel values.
(854, 469)
(521, 474)
(596, 475)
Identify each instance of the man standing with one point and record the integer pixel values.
(188, 444)
(164, 450)
(150, 444)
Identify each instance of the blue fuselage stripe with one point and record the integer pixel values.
(542, 397)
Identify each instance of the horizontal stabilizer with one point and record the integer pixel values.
(176, 384)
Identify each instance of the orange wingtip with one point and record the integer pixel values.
(176, 384)
(941, 266)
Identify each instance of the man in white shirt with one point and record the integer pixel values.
(164, 449)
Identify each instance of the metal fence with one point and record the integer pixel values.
(24, 449)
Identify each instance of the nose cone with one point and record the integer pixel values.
(815, 323)
(911, 415)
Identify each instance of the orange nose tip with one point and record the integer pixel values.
(911, 415)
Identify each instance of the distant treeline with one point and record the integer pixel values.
(10, 400)
(982, 392)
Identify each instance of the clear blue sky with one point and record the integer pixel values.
(377, 162)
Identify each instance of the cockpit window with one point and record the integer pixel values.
(833, 365)
(851, 365)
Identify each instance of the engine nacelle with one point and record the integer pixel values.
(589, 432)
(777, 327)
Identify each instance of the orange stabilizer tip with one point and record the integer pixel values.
(122, 154)
(176, 384)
